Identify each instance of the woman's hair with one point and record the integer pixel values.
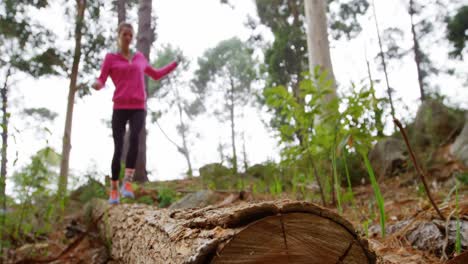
(123, 25)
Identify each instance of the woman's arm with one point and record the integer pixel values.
(101, 80)
(157, 74)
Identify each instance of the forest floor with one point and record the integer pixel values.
(414, 231)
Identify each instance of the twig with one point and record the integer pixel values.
(444, 247)
(418, 168)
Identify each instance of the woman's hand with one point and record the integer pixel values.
(179, 59)
(96, 86)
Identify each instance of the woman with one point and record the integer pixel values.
(127, 69)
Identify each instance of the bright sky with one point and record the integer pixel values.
(194, 28)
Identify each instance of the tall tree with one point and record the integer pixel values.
(173, 89)
(423, 20)
(422, 26)
(317, 33)
(89, 40)
(3, 170)
(229, 67)
(417, 50)
(5, 117)
(145, 38)
(286, 59)
(72, 88)
(121, 11)
(317, 40)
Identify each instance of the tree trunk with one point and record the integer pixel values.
(384, 64)
(296, 90)
(121, 8)
(121, 11)
(66, 146)
(244, 153)
(417, 53)
(3, 170)
(292, 5)
(268, 232)
(233, 130)
(184, 136)
(317, 40)
(145, 39)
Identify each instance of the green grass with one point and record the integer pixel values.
(348, 179)
(276, 186)
(378, 195)
(337, 186)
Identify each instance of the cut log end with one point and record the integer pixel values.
(293, 238)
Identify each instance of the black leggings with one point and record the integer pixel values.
(119, 120)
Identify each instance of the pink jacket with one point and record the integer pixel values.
(128, 78)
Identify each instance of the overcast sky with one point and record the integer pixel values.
(195, 26)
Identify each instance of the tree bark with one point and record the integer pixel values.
(417, 53)
(121, 11)
(244, 153)
(184, 135)
(66, 146)
(233, 130)
(3, 170)
(267, 232)
(317, 40)
(145, 39)
(5, 118)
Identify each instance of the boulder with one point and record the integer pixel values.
(216, 175)
(460, 147)
(435, 123)
(388, 157)
(428, 236)
(199, 199)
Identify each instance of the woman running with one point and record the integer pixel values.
(127, 69)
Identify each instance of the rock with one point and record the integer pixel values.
(388, 157)
(428, 235)
(460, 147)
(199, 199)
(214, 169)
(216, 175)
(260, 171)
(434, 124)
(452, 231)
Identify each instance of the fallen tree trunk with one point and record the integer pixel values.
(267, 232)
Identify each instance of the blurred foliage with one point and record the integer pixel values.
(457, 27)
(166, 196)
(33, 210)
